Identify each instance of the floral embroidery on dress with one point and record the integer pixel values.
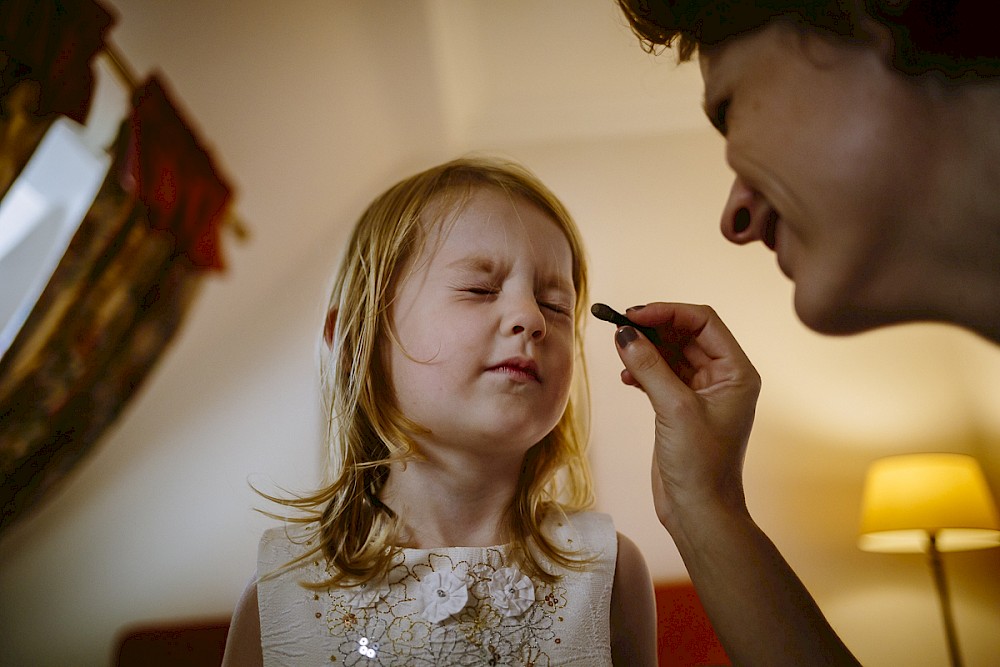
(443, 610)
(512, 592)
(565, 624)
(441, 595)
(366, 594)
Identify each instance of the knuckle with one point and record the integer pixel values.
(645, 360)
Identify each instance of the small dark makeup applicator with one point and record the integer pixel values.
(609, 314)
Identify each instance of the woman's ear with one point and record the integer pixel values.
(825, 50)
(330, 327)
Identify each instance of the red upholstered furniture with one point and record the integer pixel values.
(685, 637)
(193, 644)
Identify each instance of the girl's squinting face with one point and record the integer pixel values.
(832, 164)
(485, 327)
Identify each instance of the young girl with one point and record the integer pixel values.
(453, 531)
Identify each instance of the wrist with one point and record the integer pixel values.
(697, 519)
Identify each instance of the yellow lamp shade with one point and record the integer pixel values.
(909, 498)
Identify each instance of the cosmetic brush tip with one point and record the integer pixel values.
(602, 311)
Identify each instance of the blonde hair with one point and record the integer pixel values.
(366, 431)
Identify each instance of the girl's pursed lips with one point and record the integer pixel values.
(517, 366)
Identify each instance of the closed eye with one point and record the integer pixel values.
(557, 308)
(480, 290)
(717, 115)
(486, 291)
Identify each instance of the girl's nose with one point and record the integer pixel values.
(528, 318)
(746, 215)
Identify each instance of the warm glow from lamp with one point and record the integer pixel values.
(929, 503)
(910, 499)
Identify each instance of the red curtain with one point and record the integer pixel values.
(168, 170)
(52, 43)
(123, 287)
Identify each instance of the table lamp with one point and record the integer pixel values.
(929, 503)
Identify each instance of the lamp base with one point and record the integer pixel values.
(941, 585)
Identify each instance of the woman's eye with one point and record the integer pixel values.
(482, 291)
(719, 117)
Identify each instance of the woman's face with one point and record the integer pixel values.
(833, 156)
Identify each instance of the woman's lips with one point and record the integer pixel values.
(770, 233)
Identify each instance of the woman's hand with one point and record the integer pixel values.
(703, 390)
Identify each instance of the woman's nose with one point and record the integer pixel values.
(746, 214)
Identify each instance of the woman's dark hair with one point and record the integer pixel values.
(952, 37)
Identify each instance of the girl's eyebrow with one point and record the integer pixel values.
(474, 264)
(481, 264)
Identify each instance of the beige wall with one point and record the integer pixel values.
(315, 108)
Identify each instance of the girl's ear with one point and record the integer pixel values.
(330, 327)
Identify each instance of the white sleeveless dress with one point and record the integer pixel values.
(447, 606)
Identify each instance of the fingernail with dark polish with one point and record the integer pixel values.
(624, 336)
(741, 220)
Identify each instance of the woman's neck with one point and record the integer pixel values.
(961, 268)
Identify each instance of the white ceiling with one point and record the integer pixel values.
(524, 71)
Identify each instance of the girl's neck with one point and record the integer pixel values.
(451, 503)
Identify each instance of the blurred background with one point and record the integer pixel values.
(313, 107)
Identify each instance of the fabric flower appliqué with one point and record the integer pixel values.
(512, 592)
(366, 594)
(441, 595)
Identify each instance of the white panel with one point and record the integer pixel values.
(39, 216)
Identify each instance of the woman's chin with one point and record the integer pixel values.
(824, 316)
